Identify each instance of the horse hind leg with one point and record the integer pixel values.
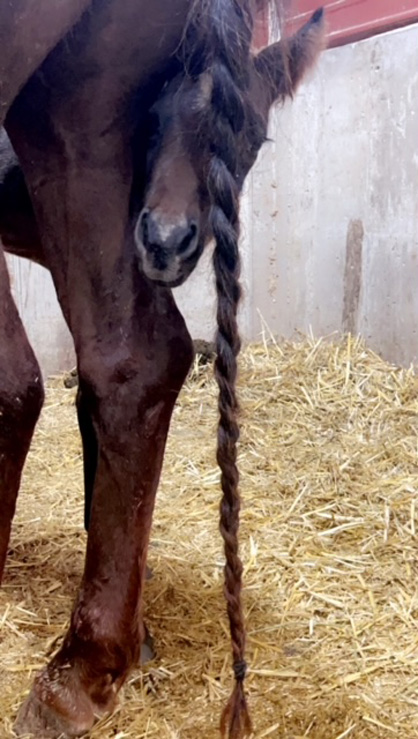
(21, 399)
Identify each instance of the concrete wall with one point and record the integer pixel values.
(38, 307)
(330, 214)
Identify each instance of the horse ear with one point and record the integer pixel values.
(282, 66)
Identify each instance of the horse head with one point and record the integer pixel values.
(173, 228)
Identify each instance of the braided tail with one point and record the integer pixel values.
(235, 721)
(227, 119)
(218, 43)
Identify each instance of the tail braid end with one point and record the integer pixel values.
(235, 720)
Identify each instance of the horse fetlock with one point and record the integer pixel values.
(106, 654)
(103, 646)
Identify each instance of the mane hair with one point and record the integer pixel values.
(217, 43)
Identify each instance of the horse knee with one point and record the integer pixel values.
(128, 381)
(21, 398)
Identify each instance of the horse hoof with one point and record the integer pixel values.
(147, 648)
(59, 707)
(37, 720)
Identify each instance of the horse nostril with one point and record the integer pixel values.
(188, 238)
(144, 226)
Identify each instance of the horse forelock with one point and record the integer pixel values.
(216, 51)
(217, 29)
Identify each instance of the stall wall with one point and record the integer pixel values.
(330, 230)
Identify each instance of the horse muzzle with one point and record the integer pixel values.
(168, 249)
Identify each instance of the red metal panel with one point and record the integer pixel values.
(350, 20)
(261, 26)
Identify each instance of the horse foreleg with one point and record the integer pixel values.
(133, 354)
(128, 393)
(90, 453)
(21, 398)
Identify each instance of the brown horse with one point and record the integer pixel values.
(121, 218)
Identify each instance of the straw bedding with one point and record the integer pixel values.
(329, 462)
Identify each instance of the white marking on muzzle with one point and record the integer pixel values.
(166, 228)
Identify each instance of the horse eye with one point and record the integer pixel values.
(153, 124)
